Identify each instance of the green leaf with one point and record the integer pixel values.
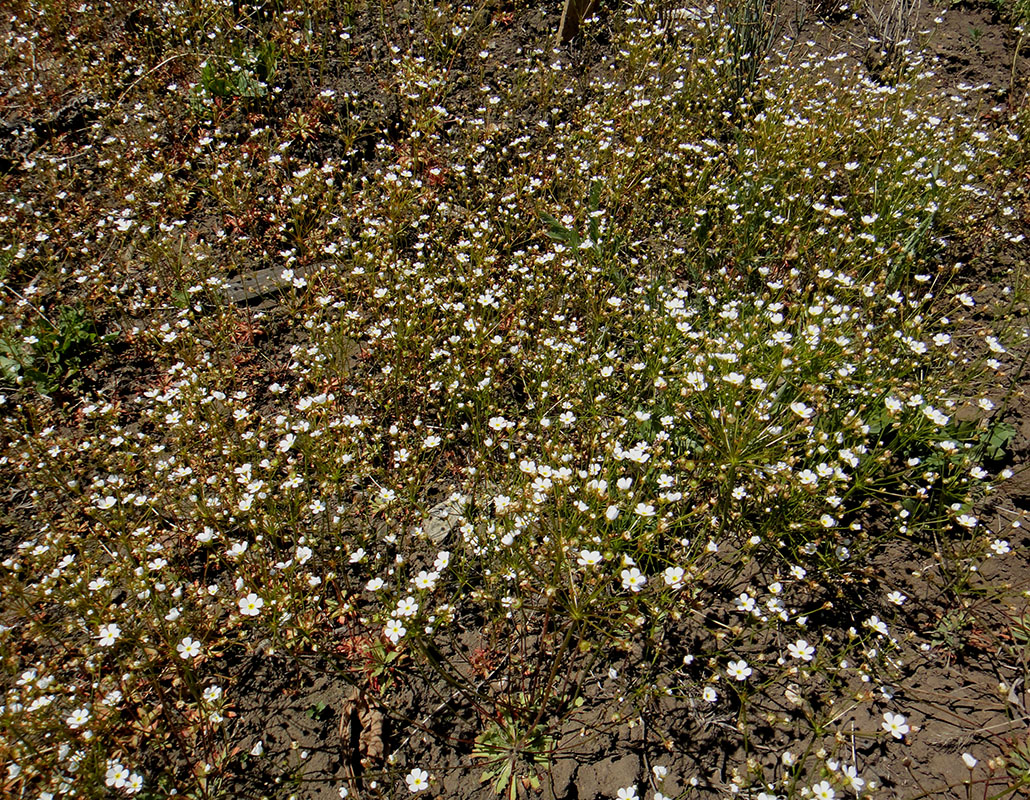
(999, 437)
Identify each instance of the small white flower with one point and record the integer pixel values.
(969, 760)
(109, 634)
(78, 718)
(644, 510)
(394, 630)
(738, 670)
(823, 791)
(633, 580)
(251, 605)
(801, 650)
(417, 780)
(628, 793)
(673, 577)
(188, 648)
(589, 558)
(895, 725)
(803, 411)
(1000, 547)
(897, 598)
(117, 776)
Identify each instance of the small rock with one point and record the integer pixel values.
(444, 517)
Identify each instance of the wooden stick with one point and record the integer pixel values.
(574, 13)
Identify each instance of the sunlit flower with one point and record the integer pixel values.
(823, 791)
(109, 634)
(251, 605)
(633, 580)
(738, 670)
(394, 630)
(589, 558)
(895, 725)
(801, 650)
(188, 648)
(417, 780)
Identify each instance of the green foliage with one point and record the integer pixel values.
(246, 74)
(514, 750)
(52, 355)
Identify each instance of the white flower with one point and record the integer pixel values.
(633, 580)
(134, 783)
(407, 607)
(394, 630)
(673, 577)
(823, 791)
(117, 776)
(188, 648)
(212, 694)
(251, 605)
(644, 510)
(258, 748)
(628, 793)
(78, 718)
(588, 558)
(803, 411)
(853, 779)
(1000, 547)
(109, 634)
(969, 760)
(895, 725)
(802, 650)
(417, 780)
(709, 695)
(611, 513)
(738, 670)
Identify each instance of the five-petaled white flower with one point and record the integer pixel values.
(117, 775)
(802, 650)
(823, 791)
(394, 630)
(628, 793)
(251, 605)
(633, 580)
(673, 577)
(78, 718)
(738, 670)
(589, 558)
(188, 648)
(109, 634)
(417, 780)
(895, 725)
